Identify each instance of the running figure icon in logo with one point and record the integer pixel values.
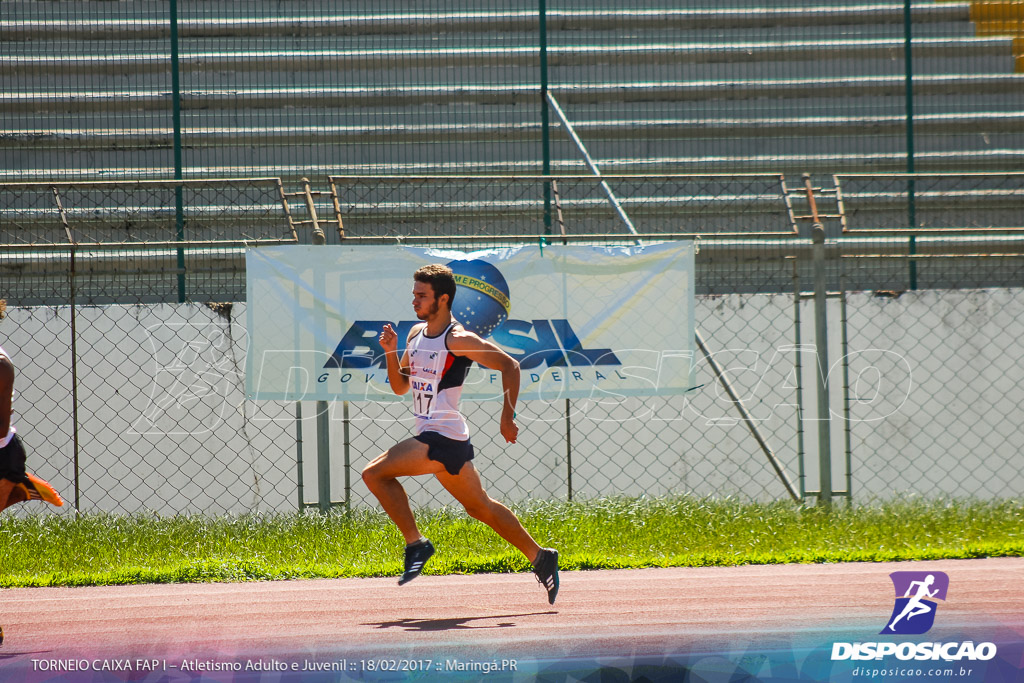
(914, 612)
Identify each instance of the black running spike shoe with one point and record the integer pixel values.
(415, 557)
(545, 567)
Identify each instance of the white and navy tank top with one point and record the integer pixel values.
(436, 376)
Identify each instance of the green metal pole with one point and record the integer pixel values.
(847, 426)
(544, 114)
(179, 202)
(909, 77)
(323, 455)
(798, 370)
(298, 456)
(821, 341)
(348, 459)
(323, 423)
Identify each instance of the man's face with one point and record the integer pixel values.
(423, 301)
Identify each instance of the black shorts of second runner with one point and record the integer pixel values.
(12, 461)
(451, 453)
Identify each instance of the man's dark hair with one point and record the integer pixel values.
(440, 278)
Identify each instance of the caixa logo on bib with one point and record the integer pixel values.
(482, 304)
(914, 613)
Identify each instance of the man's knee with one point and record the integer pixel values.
(372, 472)
(482, 510)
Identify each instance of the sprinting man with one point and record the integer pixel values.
(16, 485)
(915, 606)
(434, 365)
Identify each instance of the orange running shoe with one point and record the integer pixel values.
(41, 490)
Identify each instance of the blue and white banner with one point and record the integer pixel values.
(583, 322)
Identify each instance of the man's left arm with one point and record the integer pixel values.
(490, 355)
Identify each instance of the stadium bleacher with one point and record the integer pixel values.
(301, 89)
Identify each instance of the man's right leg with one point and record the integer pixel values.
(408, 458)
(405, 459)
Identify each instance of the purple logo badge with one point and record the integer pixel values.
(916, 593)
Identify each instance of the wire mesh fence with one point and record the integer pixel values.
(131, 400)
(229, 89)
(134, 408)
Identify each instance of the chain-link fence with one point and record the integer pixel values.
(229, 89)
(123, 392)
(131, 399)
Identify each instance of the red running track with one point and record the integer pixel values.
(635, 614)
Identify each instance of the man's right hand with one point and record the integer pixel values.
(388, 339)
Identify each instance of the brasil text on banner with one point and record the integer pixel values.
(583, 322)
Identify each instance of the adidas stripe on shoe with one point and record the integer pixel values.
(416, 557)
(41, 490)
(545, 568)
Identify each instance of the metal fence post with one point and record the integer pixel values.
(821, 342)
(323, 423)
(821, 346)
(179, 201)
(323, 457)
(798, 369)
(568, 449)
(908, 63)
(298, 457)
(348, 463)
(545, 133)
(847, 427)
(72, 301)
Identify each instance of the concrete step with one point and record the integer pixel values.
(90, 24)
(637, 128)
(524, 93)
(461, 57)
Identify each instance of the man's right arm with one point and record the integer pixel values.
(398, 369)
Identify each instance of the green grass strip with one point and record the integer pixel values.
(612, 533)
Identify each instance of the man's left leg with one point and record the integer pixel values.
(469, 491)
(35, 489)
(17, 485)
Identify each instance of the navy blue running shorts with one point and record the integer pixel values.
(12, 461)
(451, 453)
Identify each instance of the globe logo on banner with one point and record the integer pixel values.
(916, 592)
(482, 300)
